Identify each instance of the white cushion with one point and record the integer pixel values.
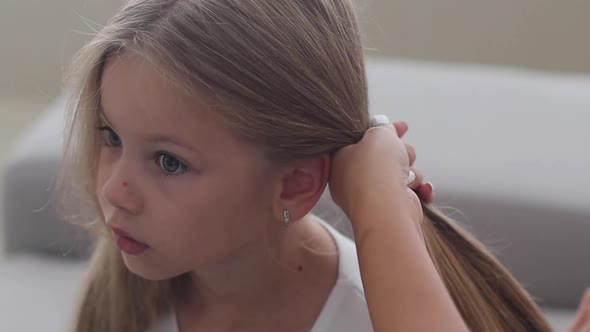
(38, 293)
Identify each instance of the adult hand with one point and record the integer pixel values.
(582, 322)
(377, 165)
(424, 190)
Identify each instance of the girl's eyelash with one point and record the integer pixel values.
(183, 165)
(104, 128)
(110, 134)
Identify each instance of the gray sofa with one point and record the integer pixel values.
(507, 150)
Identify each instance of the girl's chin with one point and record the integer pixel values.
(145, 270)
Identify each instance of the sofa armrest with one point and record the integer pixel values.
(30, 220)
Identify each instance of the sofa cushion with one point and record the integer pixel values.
(30, 219)
(38, 292)
(504, 147)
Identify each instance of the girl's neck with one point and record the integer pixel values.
(283, 283)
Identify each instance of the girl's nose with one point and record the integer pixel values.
(122, 192)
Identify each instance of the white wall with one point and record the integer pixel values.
(545, 34)
(37, 38)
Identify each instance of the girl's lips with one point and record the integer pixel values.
(127, 243)
(130, 246)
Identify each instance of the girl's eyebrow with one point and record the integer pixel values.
(156, 138)
(159, 138)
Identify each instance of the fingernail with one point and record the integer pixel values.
(379, 120)
(411, 177)
(405, 125)
(431, 186)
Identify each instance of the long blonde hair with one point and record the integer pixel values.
(289, 76)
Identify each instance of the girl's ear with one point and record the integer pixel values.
(301, 184)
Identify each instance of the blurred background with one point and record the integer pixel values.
(547, 38)
(39, 37)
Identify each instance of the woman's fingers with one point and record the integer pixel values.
(417, 179)
(426, 192)
(401, 128)
(585, 327)
(411, 153)
(582, 322)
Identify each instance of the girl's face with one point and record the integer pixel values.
(172, 175)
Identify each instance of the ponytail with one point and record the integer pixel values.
(486, 294)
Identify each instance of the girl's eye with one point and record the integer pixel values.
(170, 164)
(110, 137)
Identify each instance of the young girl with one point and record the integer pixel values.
(202, 132)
